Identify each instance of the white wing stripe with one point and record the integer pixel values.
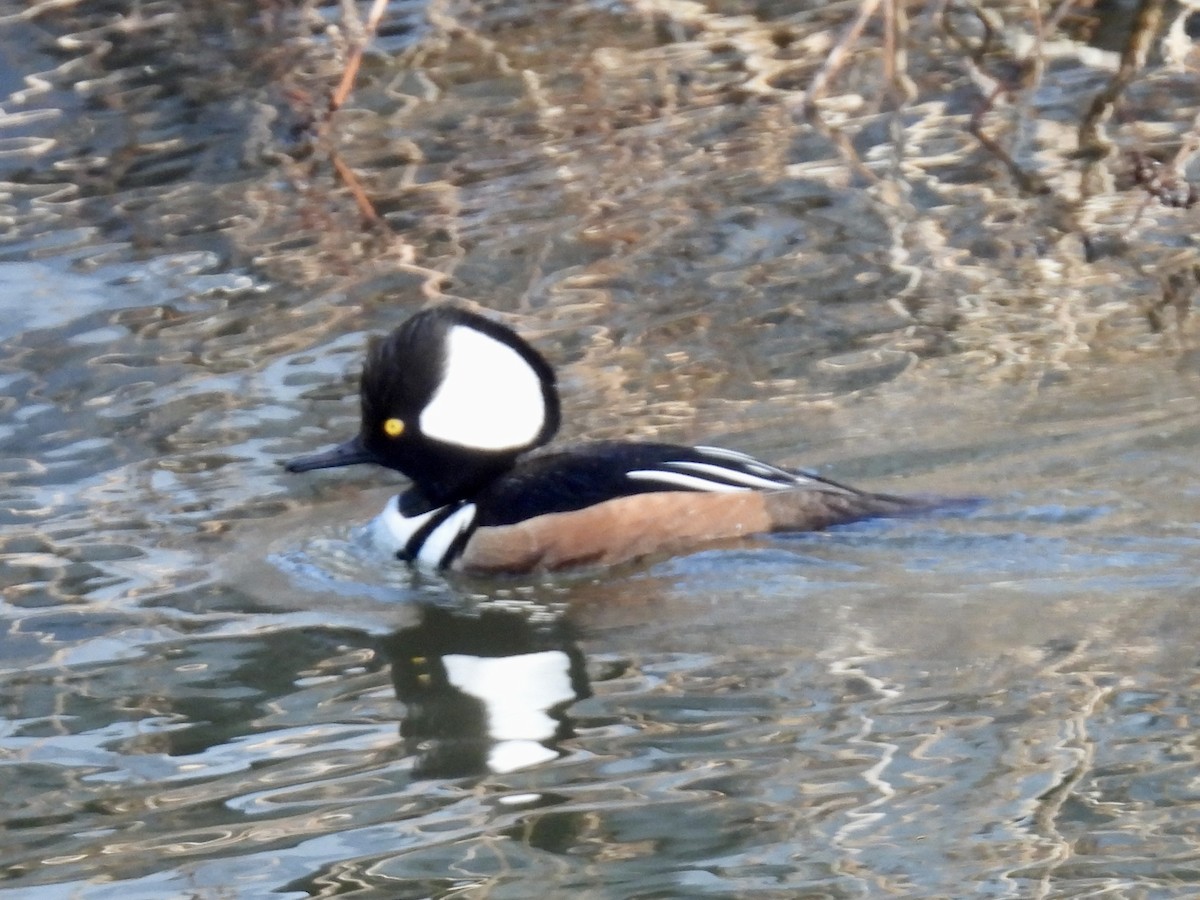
(724, 473)
(679, 479)
(722, 453)
(749, 462)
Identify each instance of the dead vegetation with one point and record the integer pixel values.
(993, 164)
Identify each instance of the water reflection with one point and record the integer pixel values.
(1005, 701)
(485, 690)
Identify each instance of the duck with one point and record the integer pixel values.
(464, 407)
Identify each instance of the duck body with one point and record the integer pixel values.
(461, 404)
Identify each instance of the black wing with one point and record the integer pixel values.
(583, 476)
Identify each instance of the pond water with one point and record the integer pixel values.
(210, 688)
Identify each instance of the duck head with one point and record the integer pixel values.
(449, 399)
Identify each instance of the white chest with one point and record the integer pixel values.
(429, 539)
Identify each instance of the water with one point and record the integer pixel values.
(209, 688)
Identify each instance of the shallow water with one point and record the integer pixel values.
(209, 688)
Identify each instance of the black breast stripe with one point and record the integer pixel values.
(454, 551)
(412, 549)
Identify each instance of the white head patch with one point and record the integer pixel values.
(490, 397)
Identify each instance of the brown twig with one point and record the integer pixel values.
(896, 52)
(1146, 21)
(837, 56)
(346, 85)
(350, 180)
(1162, 182)
(1011, 75)
(1029, 182)
(336, 100)
(975, 50)
(1178, 288)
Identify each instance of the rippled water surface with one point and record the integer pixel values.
(209, 687)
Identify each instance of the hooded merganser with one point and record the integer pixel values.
(454, 401)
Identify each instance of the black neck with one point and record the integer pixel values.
(457, 476)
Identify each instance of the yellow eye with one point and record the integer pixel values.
(393, 428)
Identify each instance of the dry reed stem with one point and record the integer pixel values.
(1146, 20)
(346, 85)
(837, 56)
